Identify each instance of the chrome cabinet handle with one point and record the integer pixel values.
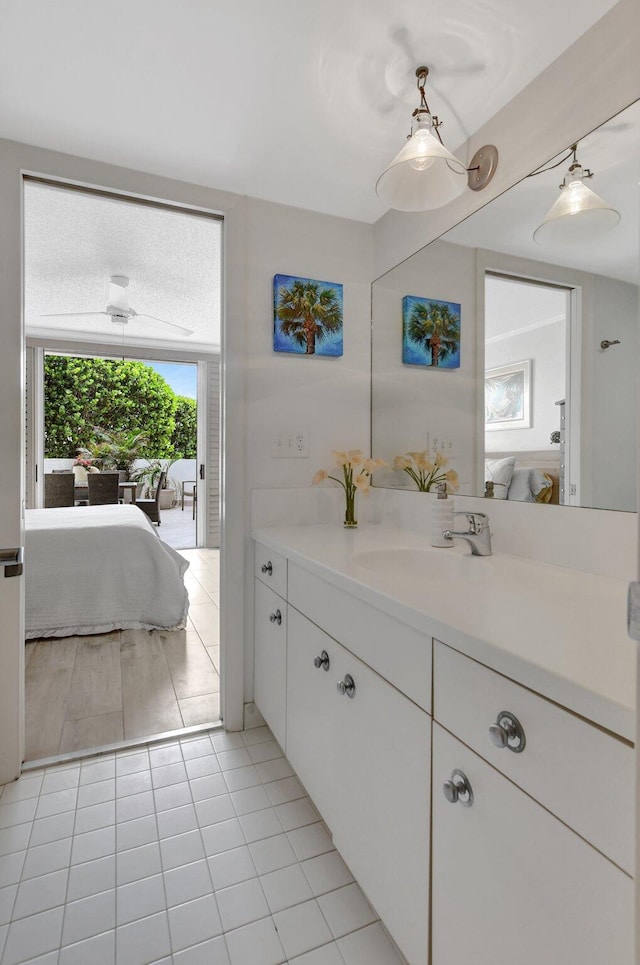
(276, 617)
(458, 789)
(347, 686)
(508, 732)
(267, 568)
(321, 661)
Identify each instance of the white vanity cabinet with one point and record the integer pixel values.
(538, 868)
(270, 641)
(577, 771)
(362, 749)
(512, 883)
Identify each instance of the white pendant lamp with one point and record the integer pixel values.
(579, 214)
(424, 175)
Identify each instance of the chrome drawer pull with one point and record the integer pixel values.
(347, 686)
(508, 732)
(276, 617)
(322, 661)
(267, 568)
(458, 789)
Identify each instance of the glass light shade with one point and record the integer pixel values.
(578, 215)
(424, 175)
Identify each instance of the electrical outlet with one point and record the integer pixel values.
(300, 444)
(291, 444)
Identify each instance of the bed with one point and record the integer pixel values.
(93, 569)
(532, 477)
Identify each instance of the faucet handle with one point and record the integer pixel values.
(478, 522)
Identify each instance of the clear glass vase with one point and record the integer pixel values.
(350, 521)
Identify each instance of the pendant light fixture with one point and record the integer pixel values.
(579, 214)
(425, 175)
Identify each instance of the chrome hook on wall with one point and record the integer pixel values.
(607, 343)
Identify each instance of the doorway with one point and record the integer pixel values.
(530, 381)
(130, 683)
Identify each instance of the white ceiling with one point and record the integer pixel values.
(302, 103)
(74, 242)
(507, 224)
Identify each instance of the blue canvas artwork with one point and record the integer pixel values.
(308, 316)
(430, 332)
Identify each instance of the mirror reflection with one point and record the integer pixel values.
(503, 360)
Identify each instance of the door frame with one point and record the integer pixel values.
(37, 348)
(18, 161)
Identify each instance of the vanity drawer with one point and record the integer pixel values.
(393, 649)
(579, 772)
(271, 568)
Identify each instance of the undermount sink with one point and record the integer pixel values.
(404, 562)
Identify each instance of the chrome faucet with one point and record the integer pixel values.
(478, 534)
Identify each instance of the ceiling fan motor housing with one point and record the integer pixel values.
(117, 317)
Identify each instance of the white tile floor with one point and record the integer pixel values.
(203, 851)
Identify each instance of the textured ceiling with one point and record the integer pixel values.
(302, 103)
(74, 242)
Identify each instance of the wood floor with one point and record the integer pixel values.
(84, 692)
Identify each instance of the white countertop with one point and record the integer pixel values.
(560, 632)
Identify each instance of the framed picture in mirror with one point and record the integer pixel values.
(507, 396)
(430, 332)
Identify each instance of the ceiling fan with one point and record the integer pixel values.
(118, 308)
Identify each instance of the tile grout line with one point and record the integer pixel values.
(164, 886)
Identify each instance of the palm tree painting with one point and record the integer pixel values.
(308, 316)
(430, 332)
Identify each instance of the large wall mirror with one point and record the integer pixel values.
(517, 360)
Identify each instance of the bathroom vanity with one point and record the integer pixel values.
(469, 749)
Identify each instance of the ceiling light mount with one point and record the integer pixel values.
(483, 166)
(424, 175)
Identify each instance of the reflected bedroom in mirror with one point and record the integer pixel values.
(506, 352)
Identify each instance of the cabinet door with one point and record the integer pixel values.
(270, 658)
(511, 883)
(382, 769)
(310, 726)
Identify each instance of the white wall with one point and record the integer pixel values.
(614, 375)
(327, 397)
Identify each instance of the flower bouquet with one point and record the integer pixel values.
(356, 475)
(426, 473)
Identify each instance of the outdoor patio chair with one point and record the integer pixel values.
(58, 489)
(103, 488)
(152, 506)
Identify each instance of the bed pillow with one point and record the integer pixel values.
(499, 472)
(528, 485)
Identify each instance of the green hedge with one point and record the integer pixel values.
(118, 396)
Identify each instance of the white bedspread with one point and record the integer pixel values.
(92, 569)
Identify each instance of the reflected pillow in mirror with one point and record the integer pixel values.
(500, 472)
(528, 484)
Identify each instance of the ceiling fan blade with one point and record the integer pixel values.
(187, 331)
(70, 314)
